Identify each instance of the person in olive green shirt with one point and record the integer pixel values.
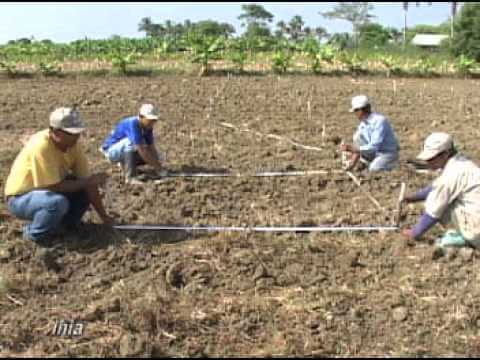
(50, 183)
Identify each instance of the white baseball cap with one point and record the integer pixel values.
(149, 111)
(435, 144)
(67, 119)
(359, 102)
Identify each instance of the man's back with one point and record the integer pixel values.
(129, 127)
(378, 134)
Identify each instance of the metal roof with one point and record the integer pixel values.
(428, 39)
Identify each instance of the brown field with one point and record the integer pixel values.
(226, 294)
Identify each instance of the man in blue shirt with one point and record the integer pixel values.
(131, 144)
(374, 142)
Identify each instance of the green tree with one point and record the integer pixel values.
(256, 19)
(341, 41)
(296, 28)
(357, 13)
(151, 30)
(466, 39)
(212, 28)
(373, 35)
(203, 49)
(282, 29)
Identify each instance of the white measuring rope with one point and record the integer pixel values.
(259, 174)
(322, 228)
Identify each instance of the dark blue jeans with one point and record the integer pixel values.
(48, 210)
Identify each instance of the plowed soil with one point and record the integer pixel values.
(150, 293)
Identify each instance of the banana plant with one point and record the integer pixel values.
(120, 61)
(167, 46)
(423, 67)
(353, 63)
(238, 52)
(328, 53)
(281, 61)
(391, 64)
(49, 69)
(205, 48)
(10, 68)
(464, 65)
(311, 48)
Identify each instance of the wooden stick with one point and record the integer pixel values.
(399, 205)
(272, 136)
(356, 181)
(15, 301)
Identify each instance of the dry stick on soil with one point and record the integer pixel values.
(356, 181)
(15, 301)
(272, 136)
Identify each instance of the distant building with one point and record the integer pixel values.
(428, 40)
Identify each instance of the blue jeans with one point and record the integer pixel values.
(126, 153)
(116, 152)
(383, 161)
(379, 161)
(48, 210)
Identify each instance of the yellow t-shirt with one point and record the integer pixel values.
(40, 163)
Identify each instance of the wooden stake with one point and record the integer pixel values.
(356, 181)
(399, 205)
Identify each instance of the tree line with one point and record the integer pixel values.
(257, 21)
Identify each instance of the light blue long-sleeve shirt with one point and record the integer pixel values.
(376, 135)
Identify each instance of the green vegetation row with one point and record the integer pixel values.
(120, 54)
(372, 48)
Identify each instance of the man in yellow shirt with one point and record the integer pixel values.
(50, 183)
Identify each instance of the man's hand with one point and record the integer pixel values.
(407, 233)
(348, 148)
(407, 199)
(353, 161)
(108, 220)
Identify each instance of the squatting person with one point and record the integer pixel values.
(374, 142)
(50, 183)
(454, 197)
(131, 144)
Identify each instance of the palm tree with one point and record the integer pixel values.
(453, 13)
(405, 11)
(146, 25)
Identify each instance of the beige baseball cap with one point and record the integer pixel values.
(67, 119)
(435, 144)
(358, 102)
(149, 111)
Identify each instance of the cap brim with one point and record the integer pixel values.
(426, 155)
(74, 130)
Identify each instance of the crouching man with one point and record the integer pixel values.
(454, 197)
(131, 144)
(375, 142)
(49, 182)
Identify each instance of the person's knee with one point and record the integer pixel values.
(59, 203)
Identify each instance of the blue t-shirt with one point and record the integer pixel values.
(129, 127)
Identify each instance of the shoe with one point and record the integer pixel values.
(438, 253)
(48, 257)
(104, 153)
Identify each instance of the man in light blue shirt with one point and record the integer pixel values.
(375, 142)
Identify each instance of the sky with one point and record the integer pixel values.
(69, 21)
